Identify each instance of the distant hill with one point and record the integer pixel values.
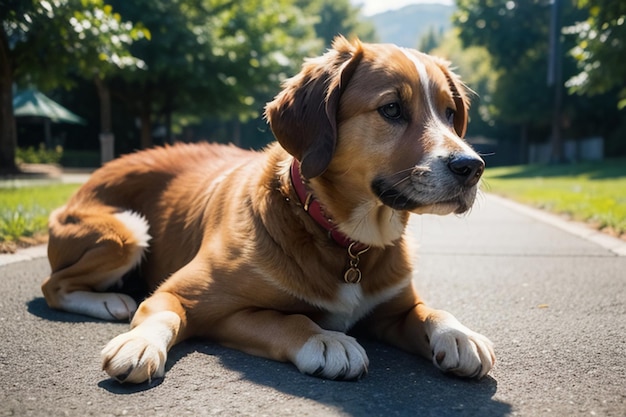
(406, 26)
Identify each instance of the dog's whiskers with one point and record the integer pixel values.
(400, 181)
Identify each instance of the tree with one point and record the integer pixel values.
(210, 58)
(474, 66)
(334, 17)
(431, 39)
(516, 35)
(41, 41)
(601, 49)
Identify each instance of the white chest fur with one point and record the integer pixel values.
(351, 305)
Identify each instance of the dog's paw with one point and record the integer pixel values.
(457, 349)
(140, 354)
(119, 306)
(133, 357)
(105, 306)
(332, 355)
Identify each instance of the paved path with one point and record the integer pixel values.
(45, 174)
(553, 303)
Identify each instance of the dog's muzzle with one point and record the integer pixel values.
(440, 185)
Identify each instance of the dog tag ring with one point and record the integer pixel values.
(353, 273)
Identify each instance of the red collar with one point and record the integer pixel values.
(316, 211)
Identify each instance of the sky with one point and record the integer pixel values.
(371, 7)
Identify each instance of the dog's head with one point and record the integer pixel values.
(378, 130)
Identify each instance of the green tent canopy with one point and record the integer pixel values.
(32, 103)
(35, 104)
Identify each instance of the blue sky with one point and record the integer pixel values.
(371, 7)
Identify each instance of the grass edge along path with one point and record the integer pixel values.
(591, 192)
(24, 213)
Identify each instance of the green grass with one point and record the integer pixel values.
(24, 211)
(590, 192)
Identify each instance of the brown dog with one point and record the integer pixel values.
(278, 253)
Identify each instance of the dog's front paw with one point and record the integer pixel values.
(135, 356)
(457, 349)
(332, 355)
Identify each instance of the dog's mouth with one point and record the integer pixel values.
(443, 199)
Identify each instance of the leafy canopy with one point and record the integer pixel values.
(213, 56)
(48, 39)
(601, 49)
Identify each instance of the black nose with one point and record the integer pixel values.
(467, 169)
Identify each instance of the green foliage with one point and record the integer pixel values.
(212, 57)
(431, 40)
(41, 155)
(474, 66)
(49, 39)
(601, 49)
(24, 211)
(44, 42)
(218, 59)
(515, 34)
(594, 192)
(334, 17)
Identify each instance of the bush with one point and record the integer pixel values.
(41, 155)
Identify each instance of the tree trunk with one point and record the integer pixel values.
(8, 135)
(169, 136)
(556, 141)
(105, 105)
(555, 79)
(146, 126)
(107, 139)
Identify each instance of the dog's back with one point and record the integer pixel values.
(112, 220)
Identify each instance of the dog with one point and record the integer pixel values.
(278, 253)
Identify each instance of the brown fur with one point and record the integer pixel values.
(233, 256)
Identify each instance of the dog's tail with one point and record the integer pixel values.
(90, 250)
(89, 228)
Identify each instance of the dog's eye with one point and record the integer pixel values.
(450, 115)
(391, 111)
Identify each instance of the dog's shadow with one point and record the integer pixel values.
(397, 383)
(38, 307)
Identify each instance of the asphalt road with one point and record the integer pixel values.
(553, 303)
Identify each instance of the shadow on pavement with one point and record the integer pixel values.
(115, 387)
(397, 384)
(39, 308)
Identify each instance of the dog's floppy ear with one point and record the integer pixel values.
(303, 116)
(459, 95)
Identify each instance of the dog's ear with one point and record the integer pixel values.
(303, 116)
(459, 95)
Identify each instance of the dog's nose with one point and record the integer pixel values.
(467, 169)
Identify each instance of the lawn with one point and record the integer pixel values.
(24, 212)
(589, 192)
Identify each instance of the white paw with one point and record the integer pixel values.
(140, 354)
(457, 349)
(102, 305)
(332, 355)
(119, 306)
